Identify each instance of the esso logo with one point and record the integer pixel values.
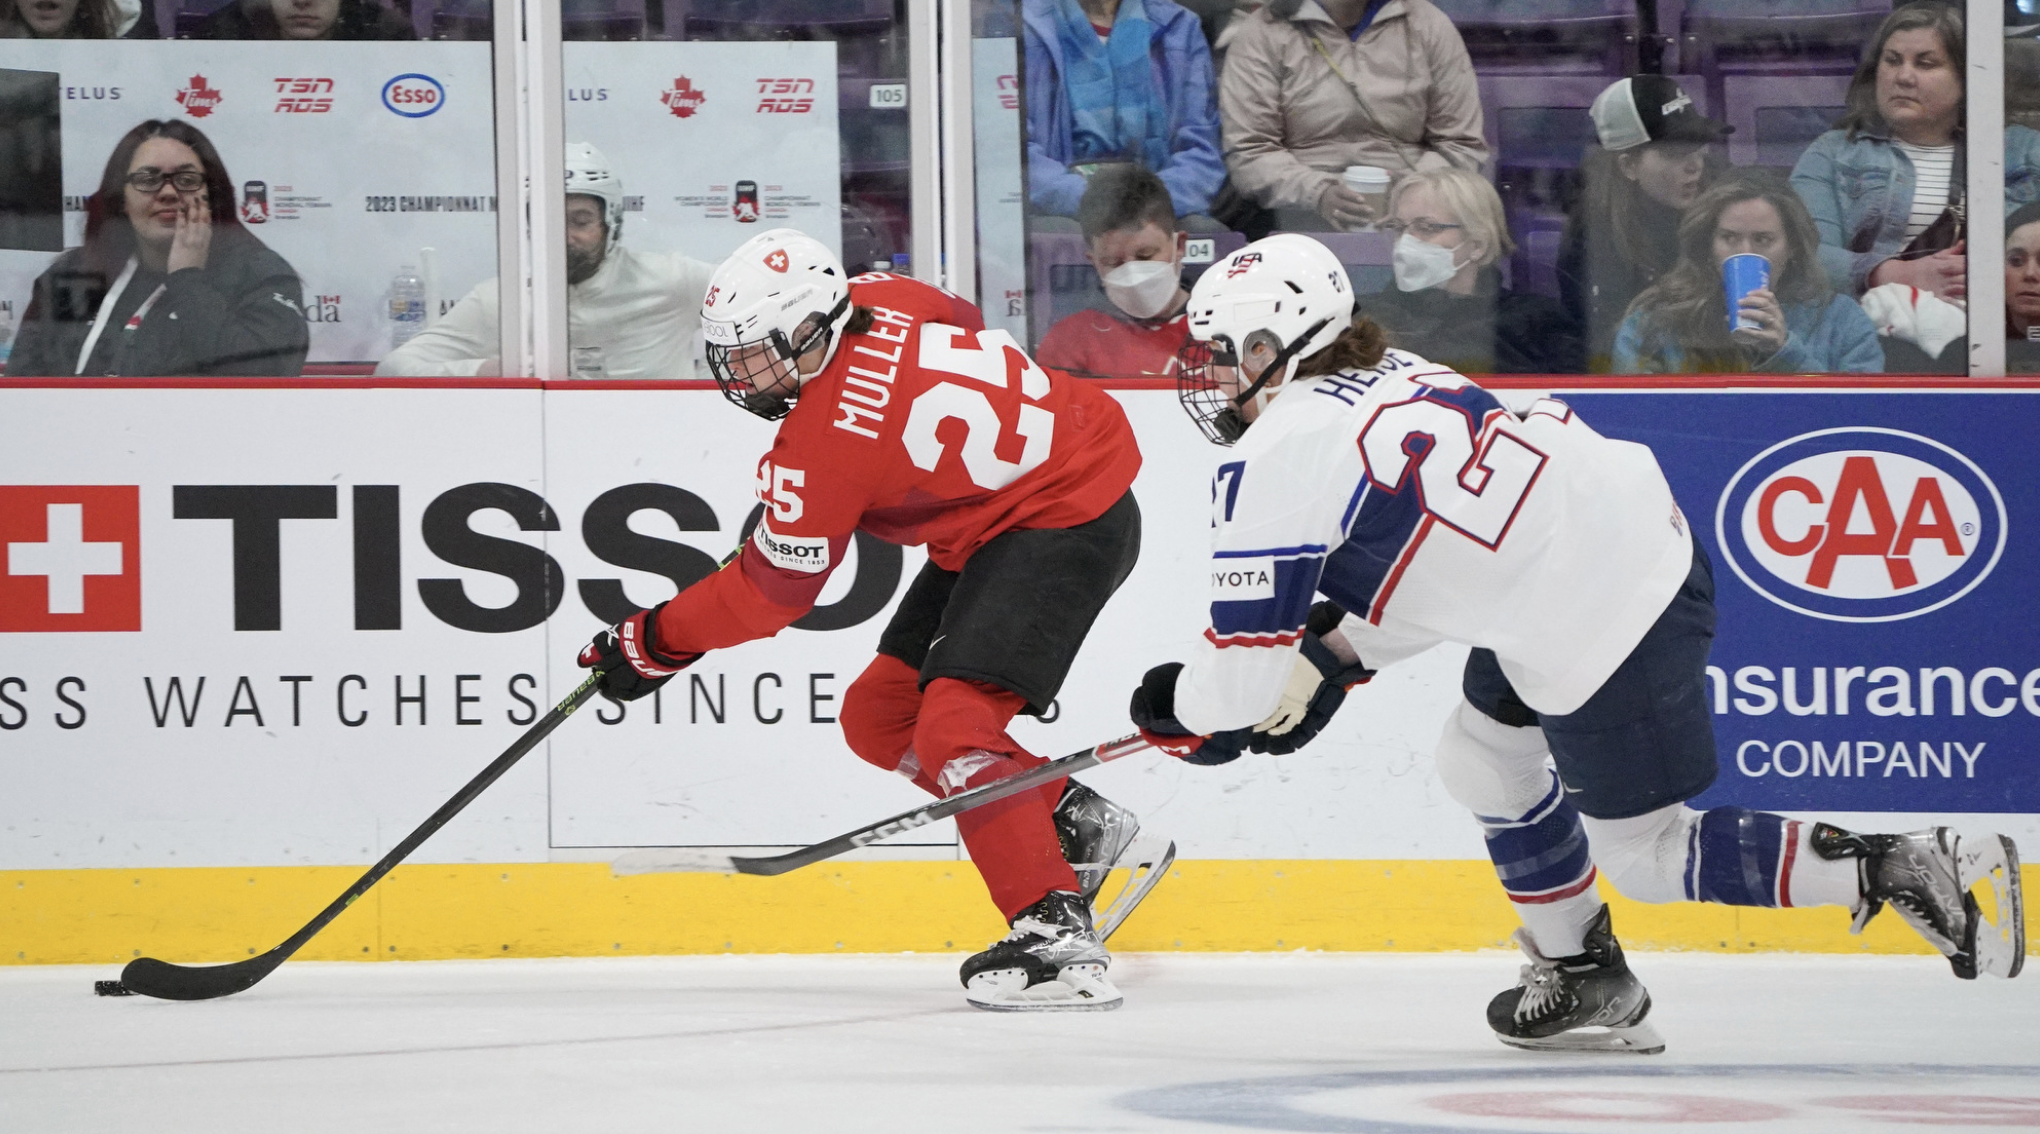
(1861, 524)
(413, 96)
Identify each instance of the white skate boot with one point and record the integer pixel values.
(1051, 962)
(1588, 1002)
(1098, 836)
(1926, 876)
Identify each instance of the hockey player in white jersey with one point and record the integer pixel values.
(1426, 512)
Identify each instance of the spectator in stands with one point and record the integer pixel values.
(1130, 236)
(167, 282)
(1313, 86)
(58, 19)
(307, 19)
(629, 314)
(1447, 303)
(1680, 325)
(1656, 154)
(2022, 290)
(1886, 185)
(1119, 81)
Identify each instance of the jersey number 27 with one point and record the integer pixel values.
(1473, 488)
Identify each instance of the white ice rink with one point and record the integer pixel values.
(835, 1045)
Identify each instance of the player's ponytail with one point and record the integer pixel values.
(860, 320)
(1358, 347)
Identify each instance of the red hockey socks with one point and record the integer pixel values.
(961, 740)
(879, 712)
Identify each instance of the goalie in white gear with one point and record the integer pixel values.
(1427, 512)
(630, 314)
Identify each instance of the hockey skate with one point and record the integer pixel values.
(1051, 962)
(1098, 836)
(1926, 876)
(1589, 1002)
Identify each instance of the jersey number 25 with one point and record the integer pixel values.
(984, 364)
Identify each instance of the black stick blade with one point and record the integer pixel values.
(111, 988)
(166, 981)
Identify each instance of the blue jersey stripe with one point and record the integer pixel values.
(1296, 584)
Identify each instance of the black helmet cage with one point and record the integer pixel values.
(776, 400)
(1217, 416)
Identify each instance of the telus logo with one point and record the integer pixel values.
(1861, 524)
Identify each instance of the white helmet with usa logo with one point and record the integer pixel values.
(780, 295)
(1287, 292)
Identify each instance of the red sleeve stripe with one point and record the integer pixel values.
(1242, 638)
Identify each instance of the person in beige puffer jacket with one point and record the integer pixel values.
(1313, 86)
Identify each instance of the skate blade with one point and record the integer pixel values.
(1639, 1038)
(1146, 861)
(1007, 990)
(1993, 860)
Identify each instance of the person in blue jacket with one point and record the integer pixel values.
(1119, 81)
(1801, 324)
(1895, 165)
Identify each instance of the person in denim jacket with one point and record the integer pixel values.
(1113, 81)
(1681, 324)
(1899, 139)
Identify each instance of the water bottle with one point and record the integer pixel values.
(407, 305)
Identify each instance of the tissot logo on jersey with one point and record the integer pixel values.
(73, 557)
(806, 556)
(1861, 525)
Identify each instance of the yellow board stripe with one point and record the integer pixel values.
(579, 910)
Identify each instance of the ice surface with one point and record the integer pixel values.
(832, 1045)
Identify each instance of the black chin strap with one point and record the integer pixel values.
(1282, 358)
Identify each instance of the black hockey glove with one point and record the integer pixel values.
(1154, 713)
(628, 657)
(1316, 689)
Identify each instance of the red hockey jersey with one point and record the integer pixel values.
(926, 429)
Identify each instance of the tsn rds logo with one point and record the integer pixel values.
(1861, 524)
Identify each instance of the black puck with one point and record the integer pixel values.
(111, 988)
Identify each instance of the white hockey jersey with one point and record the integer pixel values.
(1415, 500)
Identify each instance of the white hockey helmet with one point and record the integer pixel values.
(779, 295)
(589, 175)
(1287, 291)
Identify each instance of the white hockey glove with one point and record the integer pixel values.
(1316, 688)
(1303, 684)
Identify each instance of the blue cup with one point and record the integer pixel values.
(1742, 274)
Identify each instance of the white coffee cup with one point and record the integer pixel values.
(1370, 182)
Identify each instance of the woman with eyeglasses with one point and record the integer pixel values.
(1448, 303)
(167, 282)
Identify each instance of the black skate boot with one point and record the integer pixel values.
(1926, 876)
(1098, 836)
(1556, 1000)
(1051, 962)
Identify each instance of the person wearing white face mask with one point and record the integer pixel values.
(1447, 303)
(1131, 238)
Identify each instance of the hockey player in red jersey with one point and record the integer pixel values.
(905, 417)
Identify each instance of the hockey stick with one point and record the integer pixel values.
(161, 979)
(663, 860)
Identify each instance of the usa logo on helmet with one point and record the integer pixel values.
(1242, 262)
(1861, 524)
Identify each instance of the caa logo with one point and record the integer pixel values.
(413, 96)
(1861, 524)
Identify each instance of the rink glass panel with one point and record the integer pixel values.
(351, 160)
(1777, 72)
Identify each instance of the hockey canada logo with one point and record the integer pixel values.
(73, 557)
(199, 99)
(684, 98)
(255, 203)
(1861, 524)
(776, 260)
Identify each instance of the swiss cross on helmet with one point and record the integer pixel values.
(1287, 292)
(781, 294)
(589, 175)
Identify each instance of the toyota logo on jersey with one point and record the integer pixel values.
(1861, 524)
